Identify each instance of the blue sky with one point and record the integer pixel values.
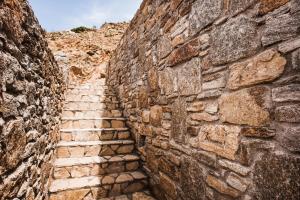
(57, 15)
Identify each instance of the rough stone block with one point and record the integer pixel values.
(285, 170)
(184, 53)
(247, 106)
(179, 116)
(192, 181)
(289, 113)
(203, 13)
(281, 27)
(236, 39)
(221, 186)
(156, 114)
(264, 67)
(220, 139)
(270, 5)
(286, 93)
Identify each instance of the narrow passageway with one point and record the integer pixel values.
(95, 156)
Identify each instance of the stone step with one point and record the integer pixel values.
(84, 105)
(96, 165)
(93, 123)
(143, 195)
(93, 148)
(97, 187)
(94, 134)
(97, 91)
(91, 113)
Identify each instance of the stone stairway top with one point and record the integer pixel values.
(66, 162)
(92, 143)
(94, 181)
(93, 129)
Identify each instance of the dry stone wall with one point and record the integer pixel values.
(211, 90)
(30, 102)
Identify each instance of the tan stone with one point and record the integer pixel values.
(80, 171)
(266, 66)
(146, 116)
(76, 151)
(66, 136)
(132, 166)
(221, 186)
(70, 195)
(220, 139)
(156, 113)
(270, 5)
(234, 167)
(61, 173)
(168, 185)
(196, 107)
(108, 180)
(204, 117)
(63, 152)
(125, 149)
(141, 196)
(246, 106)
(92, 150)
(237, 182)
(117, 124)
(104, 124)
(124, 178)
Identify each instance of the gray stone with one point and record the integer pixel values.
(289, 137)
(286, 93)
(289, 45)
(273, 169)
(203, 13)
(192, 180)
(281, 27)
(179, 117)
(233, 40)
(290, 113)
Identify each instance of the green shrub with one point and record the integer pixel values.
(80, 29)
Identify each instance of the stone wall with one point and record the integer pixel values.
(211, 90)
(30, 102)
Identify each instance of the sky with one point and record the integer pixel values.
(58, 15)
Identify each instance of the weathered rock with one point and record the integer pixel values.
(244, 171)
(204, 117)
(220, 139)
(192, 180)
(281, 27)
(236, 182)
(203, 13)
(184, 79)
(264, 67)
(179, 116)
(246, 106)
(196, 107)
(168, 186)
(156, 114)
(270, 5)
(15, 143)
(289, 138)
(286, 93)
(221, 186)
(184, 53)
(261, 132)
(290, 113)
(285, 170)
(236, 39)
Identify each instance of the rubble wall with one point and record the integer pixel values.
(211, 92)
(30, 102)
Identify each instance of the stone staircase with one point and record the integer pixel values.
(95, 156)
